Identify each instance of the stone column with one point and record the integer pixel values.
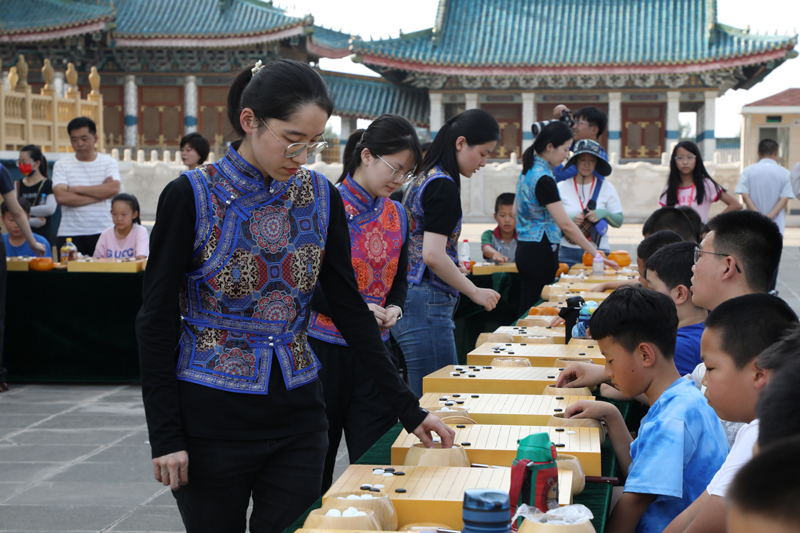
(348, 126)
(706, 117)
(437, 113)
(189, 104)
(471, 100)
(615, 123)
(528, 118)
(59, 82)
(673, 125)
(131, 110)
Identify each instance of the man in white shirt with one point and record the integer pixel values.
(84, 184)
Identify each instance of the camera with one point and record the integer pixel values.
(566, 118)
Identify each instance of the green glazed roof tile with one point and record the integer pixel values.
(36, 16)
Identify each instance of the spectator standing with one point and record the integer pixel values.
(589, 123)
(84, 183)
(194, 150)
(37, 188)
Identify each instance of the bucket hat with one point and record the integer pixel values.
(587, 146)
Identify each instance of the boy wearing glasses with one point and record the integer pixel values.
(589, 123)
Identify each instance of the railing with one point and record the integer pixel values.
(41, 119)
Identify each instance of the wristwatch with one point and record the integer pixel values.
(398, 308)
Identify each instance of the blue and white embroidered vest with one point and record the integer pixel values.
(377, 232)
(416, 229)
(257, 256)
(533, 218)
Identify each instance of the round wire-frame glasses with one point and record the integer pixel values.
(295, 149)
(402, 178)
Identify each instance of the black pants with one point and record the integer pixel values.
(85, 243)
(353, 404)
(3, 270)
(281, 475)
(537, 263)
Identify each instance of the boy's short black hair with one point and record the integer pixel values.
(82, 122)
(769, 484)
(655, 242)
(747, 325)
(632, 315)
(506, 198)
(673, 264)
(767, 147)
(705, 229)
(670, 218)
(594, 117)
(694, 218)
(754, 240)
(199, 143)
(785, 350)
(23, 203)
(777, 406)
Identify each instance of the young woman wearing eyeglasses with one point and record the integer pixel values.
(690, 184)
(377, 161)
(433, 204)
(236, 411)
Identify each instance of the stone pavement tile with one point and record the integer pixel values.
(152, 519)
(56, 518)
(36, 453)
(112, 408)
(27, 472)
(66, 437)
(9, 421)
(163, 500)
(140, 437)
(123, 454)
(127, 494)
(108, 472)
(7, 489)
(92, 421)
(21, 407)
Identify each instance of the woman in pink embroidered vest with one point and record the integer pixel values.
(236, 412)
(377, 161)
(433, 204)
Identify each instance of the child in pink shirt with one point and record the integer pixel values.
(126, 239)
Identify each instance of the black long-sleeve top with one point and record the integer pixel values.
(175, 409)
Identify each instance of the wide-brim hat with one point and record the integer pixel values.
(587, 146)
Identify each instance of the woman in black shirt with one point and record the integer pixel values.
(37, 188)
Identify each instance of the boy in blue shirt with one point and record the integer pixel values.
(669, 271)
(680, 443)
(16, 243)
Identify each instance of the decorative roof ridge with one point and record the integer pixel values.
(94, 13)
(440, 17)
(745, 33)
(359, 77)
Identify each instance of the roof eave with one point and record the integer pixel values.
(52, 35)
(765, 109)
(207, 42)
(324, 51)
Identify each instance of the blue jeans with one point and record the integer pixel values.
(571, 256)
(426, 332)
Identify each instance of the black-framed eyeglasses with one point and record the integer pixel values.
(698, 251)
(397, 175)
(295, 149)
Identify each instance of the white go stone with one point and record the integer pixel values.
(378, 471)
(334, 512)
(570, 433)
(353, 497)
(379, 486)
(351, 511)
(366, 496)
(388, 474)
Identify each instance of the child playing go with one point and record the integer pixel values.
(16, 243)
(127, 238)
(681, 443)
(500, 244)
(736, 332)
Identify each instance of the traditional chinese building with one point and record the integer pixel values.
(642, 62)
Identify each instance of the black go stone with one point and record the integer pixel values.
(461, 426)
(400, 491)
(388, 469)
(399, 473)
(475, 396)
(557, 410)
(559, 429)
(559, 397)
(466, 444)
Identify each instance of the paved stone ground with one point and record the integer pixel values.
(75, 458)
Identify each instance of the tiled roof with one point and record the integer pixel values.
(39, 16)
(571, 33)
(789, 97)
(331, 38)
(138, 19)
(365, 97)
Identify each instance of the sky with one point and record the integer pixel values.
(382, 19)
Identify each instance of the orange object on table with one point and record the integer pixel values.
(622, 257)
(543, 311)
(588, 260)
(41, 264)
(563, 268)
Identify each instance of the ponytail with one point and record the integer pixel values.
(351, 154)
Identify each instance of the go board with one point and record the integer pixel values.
(96, 265)
(542, 355)
(491, 380)
(482, 269)
(558, 333)
(503, 409)
(434, 494)
(17, 264)
(497, 445)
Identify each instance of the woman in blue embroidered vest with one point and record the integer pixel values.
(540, 214)
(377, 161)
(433, 204)
(236, 411)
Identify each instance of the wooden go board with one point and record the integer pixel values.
(17, 264)
(497, 445)
(496, 380)
(434, 494)
(503, 409)
(558, 334)
(541, 355)
(491, 268)
(107, 266)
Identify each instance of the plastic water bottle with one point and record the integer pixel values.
(486, 511)
(463, 253)
(598, 267)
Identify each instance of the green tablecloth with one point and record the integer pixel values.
(72, 326)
